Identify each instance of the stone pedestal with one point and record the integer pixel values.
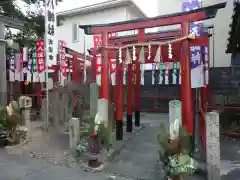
(55, 109)
(25, 103)
(111, 116)
(94, 94)
(175, 114)
(43, 112)
(74, 133)
(65, 106)
(103, 110)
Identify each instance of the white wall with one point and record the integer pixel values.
(221, 27)
(64, 32)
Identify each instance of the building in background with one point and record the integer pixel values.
(218, 42)
(106, 12)
(233, 47)
(122, 10)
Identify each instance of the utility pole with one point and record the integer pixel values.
(3, 66)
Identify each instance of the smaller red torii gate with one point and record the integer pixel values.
(161, 36)
(183, 18)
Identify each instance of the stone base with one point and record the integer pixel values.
(94, 163)
(137, 118)
(94, 93)
(129, 127)
(119, 130)
(103, 110)
(93, 156)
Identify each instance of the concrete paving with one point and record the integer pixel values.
(15, 167)
(137, 160)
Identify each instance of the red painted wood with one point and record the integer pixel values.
(199, 41)
(141, 37)
(187, 94)
(148, 37)
(150, 23)
(129, 89)
(105, 68)
(176, 49)
(94, 69)
(119, 92)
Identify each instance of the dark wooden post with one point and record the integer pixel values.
(119, 99)
(138, 85)
(129, 97)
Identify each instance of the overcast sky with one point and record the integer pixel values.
(148, 6)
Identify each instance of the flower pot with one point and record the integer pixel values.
(94, 152)
(94, 146)
(94, 163)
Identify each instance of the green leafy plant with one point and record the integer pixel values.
(174, 153)
(103, 133)
(3, 119)
(10, 121)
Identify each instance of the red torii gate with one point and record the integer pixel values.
(183, 18)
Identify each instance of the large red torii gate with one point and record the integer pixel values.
(183, 18)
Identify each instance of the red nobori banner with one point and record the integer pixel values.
(113, 65)
(62, 57)
(98, 39)
(40, 56)
(98, 42)
(98, 64)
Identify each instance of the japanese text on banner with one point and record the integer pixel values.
(98, 64)
(50, 27)
(197, 72)
(113, 65)
(97, 42)
(40, 56)
(62, 57)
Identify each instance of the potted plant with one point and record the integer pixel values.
(99, 140)
(174, 154)
(3, 123)
(11, 120)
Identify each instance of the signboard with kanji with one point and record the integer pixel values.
(213, 145)
(197, 67)
(50, 27)
(40, 56)
(62, 57)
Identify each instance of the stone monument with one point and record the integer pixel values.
(175, 117)
(25, 104)
(74, 133)
(213, 146)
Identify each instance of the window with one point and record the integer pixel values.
(75, 32)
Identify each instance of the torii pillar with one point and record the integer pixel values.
(9, 22)
(141, 33)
